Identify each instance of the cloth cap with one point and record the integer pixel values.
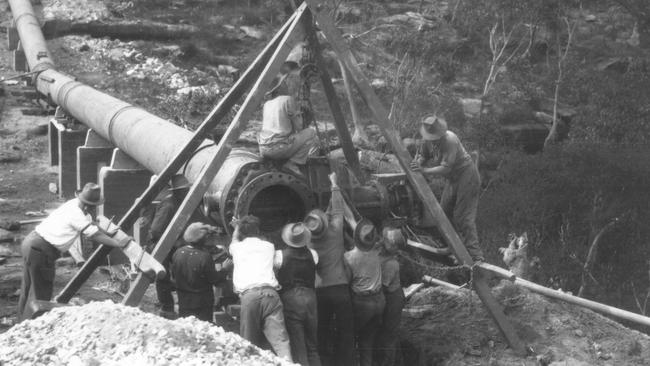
(196, 231)
(179, 182)
(296, 235)
(433, 128)
(91, 194)
(365, 235)
(316, 221)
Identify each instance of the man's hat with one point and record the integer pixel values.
(196, 231)
(316, 221)
(91, 194)
(365, 235)
(179, 181)
(433, 128)
(296, 235)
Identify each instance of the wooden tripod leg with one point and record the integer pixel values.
(417, 180)
(333, 101)
(216, 115)
(237, 126)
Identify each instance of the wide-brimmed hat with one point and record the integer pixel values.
(90, 194)
(365, 235)
(296, 235)
(179, 181)
(316, 221)
(196, 231)
(433, 128)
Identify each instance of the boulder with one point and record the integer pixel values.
(471, 107)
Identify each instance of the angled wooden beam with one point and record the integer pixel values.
(333, 101)
(237, 126)
(417, 180)
(214, 118)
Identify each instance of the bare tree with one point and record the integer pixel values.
(561, 61)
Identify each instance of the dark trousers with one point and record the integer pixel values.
(301, 320)
(368, 314)
(204, 313)
(387, 343)
(335, 326)
(261, 315)
(164, 288)
(38, 271)
(460, 202)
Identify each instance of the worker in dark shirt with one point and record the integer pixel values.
(442, 155)
(194, 273)
(164, 213)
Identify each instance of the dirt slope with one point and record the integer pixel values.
(448, 327)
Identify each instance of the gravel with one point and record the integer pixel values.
(104, 333)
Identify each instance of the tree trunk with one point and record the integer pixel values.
(121, 29)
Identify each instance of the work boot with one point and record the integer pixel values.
(167, 314)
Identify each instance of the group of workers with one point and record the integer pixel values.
(312, 301)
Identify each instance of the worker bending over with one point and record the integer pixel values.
(335, 318)
(367, 297)
(283, 136)
(443, 155)
(253, 279)
(193, 272)
(297, 274)
(55, 235)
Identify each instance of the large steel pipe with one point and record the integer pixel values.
(31, 37)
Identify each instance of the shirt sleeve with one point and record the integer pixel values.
(314, 255)
(277, 259)
(161, 219)
(210, 271)
(335, 210)
(450, 149)
(82, 223)
(292, 110)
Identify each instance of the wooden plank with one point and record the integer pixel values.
(333, 101)
(216, 115)
(237, 126)
(417, 180)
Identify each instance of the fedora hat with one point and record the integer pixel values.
(365, 235)
(296, 235)
(197, 231)
(179, 181)
(316, 221)
(433, 128)
(90, 194)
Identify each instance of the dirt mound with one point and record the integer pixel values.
(104, 333)
(451, 327)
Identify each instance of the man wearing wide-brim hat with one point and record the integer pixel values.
(55, 235)
(335, 318)
(194, 272)
(368, 299)
(442, 155)
(296, 272)
(283, 135)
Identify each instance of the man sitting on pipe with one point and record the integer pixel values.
(283, 135)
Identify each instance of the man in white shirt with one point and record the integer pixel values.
(283, 135)
(253, 279)
(55, 235)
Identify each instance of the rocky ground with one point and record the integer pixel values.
(181, 80)
(103, 333)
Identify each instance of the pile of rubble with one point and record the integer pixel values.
(104, 333)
